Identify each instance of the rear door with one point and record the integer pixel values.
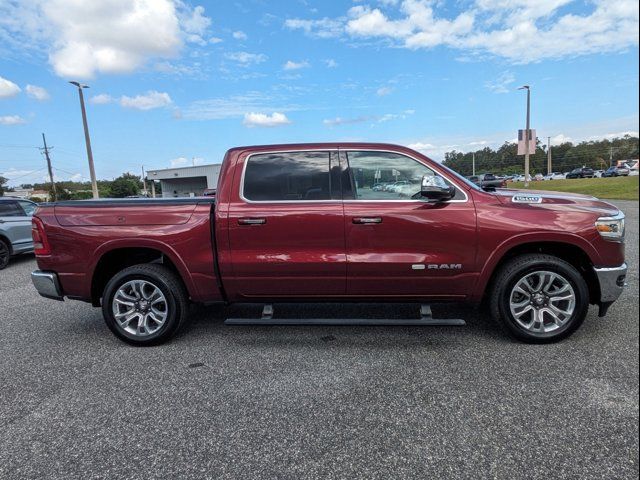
(397, 243)
(15, 221)
(286, 226)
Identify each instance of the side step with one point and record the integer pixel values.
(426, 320)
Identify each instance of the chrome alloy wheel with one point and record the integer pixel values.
(542, 301)
(139, 307)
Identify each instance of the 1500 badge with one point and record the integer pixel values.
(526, 199)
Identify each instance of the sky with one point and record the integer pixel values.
(175, 83)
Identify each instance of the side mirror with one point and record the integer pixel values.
(435, 189)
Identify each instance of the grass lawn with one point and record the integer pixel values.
(615, 188)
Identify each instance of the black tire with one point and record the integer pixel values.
(177, 302)
(517, 268)
(5, 254)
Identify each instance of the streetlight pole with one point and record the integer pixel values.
(526, 136)
(92, 172)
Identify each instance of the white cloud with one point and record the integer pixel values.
(237, 105)
(246, 58)
(421, 146)
(8, 88)
(276, 119)
(322, 28)
(38, 93)
(148, 101)
(502, 83)
(610, 136)
(335, 122)
(522, 31)
(239, 35)
(214, 40)
(291, 65)
(185, 162)
(83, 39)
(195, 23)
(383, 91)
(331, 63)
(560, 139)
(101, 99)
(12, 120)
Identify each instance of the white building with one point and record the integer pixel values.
(185, 181)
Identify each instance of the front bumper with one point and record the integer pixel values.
(47, 284)
(612, 282)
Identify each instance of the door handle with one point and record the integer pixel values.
(252, 221)
(366, 220)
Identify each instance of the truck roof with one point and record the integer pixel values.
(322, 146)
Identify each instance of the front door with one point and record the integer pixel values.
(397, 243)
(286, 226)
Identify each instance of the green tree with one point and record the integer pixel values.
(125, 185)
(3, 182)
(61, 193)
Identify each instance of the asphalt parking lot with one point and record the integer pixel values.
(315, 402)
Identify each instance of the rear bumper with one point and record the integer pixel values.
(47, 284)
(612, 282)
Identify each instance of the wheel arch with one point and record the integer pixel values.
(6, 240)
(118, 257)
(570, 252)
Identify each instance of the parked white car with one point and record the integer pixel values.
(598, 173)
(554, 176)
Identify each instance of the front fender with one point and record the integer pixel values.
(529, 238)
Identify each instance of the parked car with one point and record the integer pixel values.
(538, 177)
(616, 172)
(554, 176)
(538, 259)
(583, 172)
(598, 173)
(15, 228)
(488, 180)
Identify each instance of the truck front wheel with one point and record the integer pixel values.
(539, 298)
(144, 304)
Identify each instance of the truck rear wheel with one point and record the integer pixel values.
(539, 298)
(145, 304)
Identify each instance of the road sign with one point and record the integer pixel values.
(522, 149)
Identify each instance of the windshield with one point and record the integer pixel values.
(461, 178)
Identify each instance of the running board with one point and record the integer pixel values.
(426, 320)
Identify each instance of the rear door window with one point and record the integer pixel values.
(289, 176)
(10, 209)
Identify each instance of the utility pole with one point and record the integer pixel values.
(46, 154)
(611, 156)
(549, 155)
(526, 136)
(92, 172)
(144, 183)
(473, 164)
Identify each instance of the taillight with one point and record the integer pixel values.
(40, 242)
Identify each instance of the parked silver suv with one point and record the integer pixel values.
(15, 228)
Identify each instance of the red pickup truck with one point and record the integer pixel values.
(335, 222)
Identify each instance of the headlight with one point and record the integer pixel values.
(611, 228)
